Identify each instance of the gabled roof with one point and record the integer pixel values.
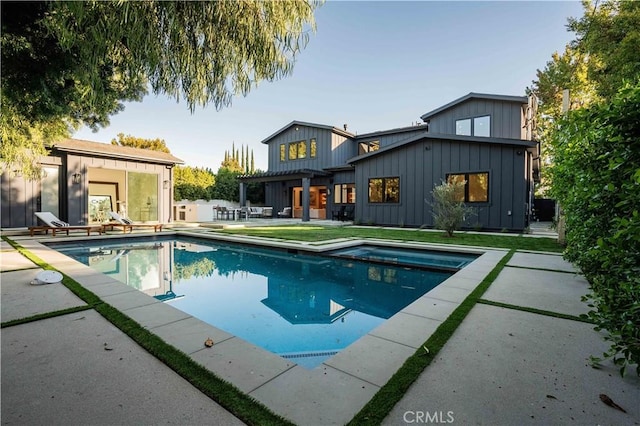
(472, 95)
(304, 123)
(439, 136)
(98, 149)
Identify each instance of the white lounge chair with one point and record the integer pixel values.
(55, 225)
(124, 223)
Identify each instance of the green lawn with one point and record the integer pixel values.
(322, 233)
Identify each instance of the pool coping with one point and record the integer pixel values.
(333, 392)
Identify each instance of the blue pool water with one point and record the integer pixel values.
(302, 307)
(427, 259)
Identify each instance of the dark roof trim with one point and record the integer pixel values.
(283, 175)
(98, 149)
(421, 126)
(443, 137)
(472, 95)
(304, 123)
(345, 168)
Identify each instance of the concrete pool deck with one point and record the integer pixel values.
(491, 371)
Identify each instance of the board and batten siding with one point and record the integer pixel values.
(331, 149)
(506, 117)
(425, 163)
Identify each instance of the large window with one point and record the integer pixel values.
(142, 196)
(50, 190)
(463, 127)
(297, 150)
(344, 193)
(384, 190)
(481, 126)
(370, 146)
(476, 186)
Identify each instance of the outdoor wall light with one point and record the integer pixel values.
(76, 178)
(427, 147)
(165, 184)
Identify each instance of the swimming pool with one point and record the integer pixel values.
(299, 306)
(427, 259)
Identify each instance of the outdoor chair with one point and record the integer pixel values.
(222, 213)
(286, 212)
(339, 214)
(55, 225)
(349, 213)
(127, 224)
(255, 212)
(267, 212)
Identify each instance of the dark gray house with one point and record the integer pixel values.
(386, 177)
(82, 181)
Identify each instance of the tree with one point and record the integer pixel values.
(131, 141)
(227, 186)
(595, 167)
(596, 179)
(238, 160)
(448, 211)
(192, 183)
(65, 64)
(609, 36)
(593, 67)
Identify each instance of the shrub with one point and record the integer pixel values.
(448, 211)
(596, 179)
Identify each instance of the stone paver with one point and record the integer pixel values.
(508, 367)
(11, 260)
(284, 393)
(80, 369)
(541, 261)
(550, 291)
(20, 299)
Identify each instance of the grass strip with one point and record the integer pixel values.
(536, 311)
(46, 315)
(321, 233)
(375, 411)
(228, 396)
(531, 268)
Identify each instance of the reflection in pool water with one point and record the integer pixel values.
(304, 307)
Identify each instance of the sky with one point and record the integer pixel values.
(372, 65)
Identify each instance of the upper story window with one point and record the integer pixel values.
(463, 127)
(369, 146)
(476, 186)
(344, 193)
(479, 126)
(297, 150)
(384, 190)
(482, 126)
(313, 149)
